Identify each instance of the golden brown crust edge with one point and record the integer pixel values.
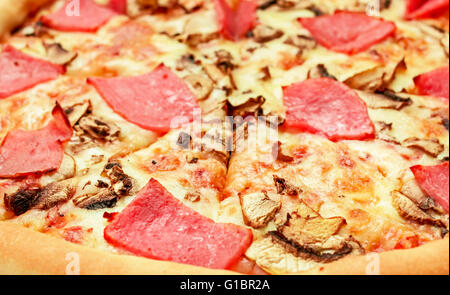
(14, 12)
(27, 252)
(24, 251)
(429, 259)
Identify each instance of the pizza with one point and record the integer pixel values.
(221, 137)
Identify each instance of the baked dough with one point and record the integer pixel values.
(429, 259)
(14, 12)
(25, 251)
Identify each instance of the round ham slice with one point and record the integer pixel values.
(434, 181)
(157, 225)
(348, 32)
(417, 9)
(434, 83)
(85, 17)
(153, 101)
(327, 107)
(19, 71)
(27, 152)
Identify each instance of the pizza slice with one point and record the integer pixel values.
(326, 189)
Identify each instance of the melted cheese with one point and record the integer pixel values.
(351, 179)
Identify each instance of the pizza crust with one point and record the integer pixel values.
(24, 251)
(429, 259)
(14, 12)
(27, 252)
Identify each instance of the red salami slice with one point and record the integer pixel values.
(348, 32)
(416, 9)
(327, 107)
(119, 6)
(27, 152)
(19, 71)
(150, 101)
(87, 17)
(434, 181)
(156, 225)
(235, 23)
(434, 83)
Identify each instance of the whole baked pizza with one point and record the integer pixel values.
(221, 137)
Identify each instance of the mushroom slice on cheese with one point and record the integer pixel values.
(430, 146)
(258, 209)
(409, 210)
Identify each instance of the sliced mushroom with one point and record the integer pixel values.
(264, 4)
(258, 209)
(265, 73)
(54, 193)
(313, 237)
(383, 126)
(106, 198)
(21, 201)
(278, 257)
(263, 34)
(287, 3)
(224, 61)
(430, 146)
(445, 122)
(333, 249)
(381, 131)
(190, 5)
(99, 129)
(80, 141)
(223, 80)
(113, 170)
(375, 79)
(384, 100)
(186, 62)
(213, 145)
(385, 4)
(252, 107)
(320, 71)
(285, 188)
(305, 230)
(122, 184)
(443, 114)
(36, 29)
(76, 111)
(302, 42)
(152, 5)
(409, 210)
(201, 85)
(214, 72)
(58, 55)
(147, 4)
(195, 39)
(314, 9)
(124, 187)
